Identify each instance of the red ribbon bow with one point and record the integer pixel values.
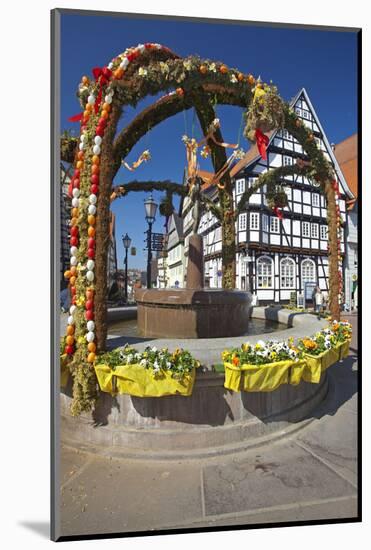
(261, 141)
(102, 76)
(278, 212)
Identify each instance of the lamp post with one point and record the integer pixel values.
(127, 242)
(150, 207)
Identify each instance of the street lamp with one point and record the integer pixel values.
(127, 242)
(150, 207)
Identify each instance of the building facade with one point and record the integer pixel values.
(346, 154)
(277, 257)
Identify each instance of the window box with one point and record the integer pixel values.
(258, 378)
(141, 382)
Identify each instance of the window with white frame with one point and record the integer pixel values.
(308, 271)
(265, 222)
(275, 225)
(285, 134)
(242, 222)
(306, 114)
(323, 232)
(264, 272)
(288, 192)
(243, 266)
(240, 186)
(254, 220)
(315, 199)
(287, 273)
(305, 229)
(287, 161)
(298, 111)
(250, 182)
(314, 230)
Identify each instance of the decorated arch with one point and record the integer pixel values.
(100, 150)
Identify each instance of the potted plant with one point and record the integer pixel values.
(320, 352)
(151, 373)
(261, 367)
(343, 335)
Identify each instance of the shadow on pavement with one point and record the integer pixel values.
(343, 384)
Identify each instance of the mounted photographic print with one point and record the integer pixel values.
(205, 274)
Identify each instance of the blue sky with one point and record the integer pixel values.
(323, 62)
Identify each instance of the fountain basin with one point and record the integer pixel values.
(192, 313)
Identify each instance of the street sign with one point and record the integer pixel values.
(300, 300)
(158, 241)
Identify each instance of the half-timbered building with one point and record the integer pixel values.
(276, 257)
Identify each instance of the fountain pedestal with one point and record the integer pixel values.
(193, 312)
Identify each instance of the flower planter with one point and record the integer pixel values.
(65, 371)
(343, 349)
(316, 364)
(141, 382)
(259, 378)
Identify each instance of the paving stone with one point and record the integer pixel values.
(72, 461)
(122, 496)
(276, 476)
(332, 509)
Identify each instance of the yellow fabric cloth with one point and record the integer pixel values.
(343, 349)
(316, 364)
(257, 377)
(65, 371)
(140, 382)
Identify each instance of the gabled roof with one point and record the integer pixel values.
(178, 224)
(346, 153)
(253, 155)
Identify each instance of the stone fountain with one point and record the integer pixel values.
(193, 312)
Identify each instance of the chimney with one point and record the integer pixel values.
(333, 146)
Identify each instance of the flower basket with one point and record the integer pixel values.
(142, 382)
(316, 364)
(343, 349)
(258, 378)
(65, 371)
